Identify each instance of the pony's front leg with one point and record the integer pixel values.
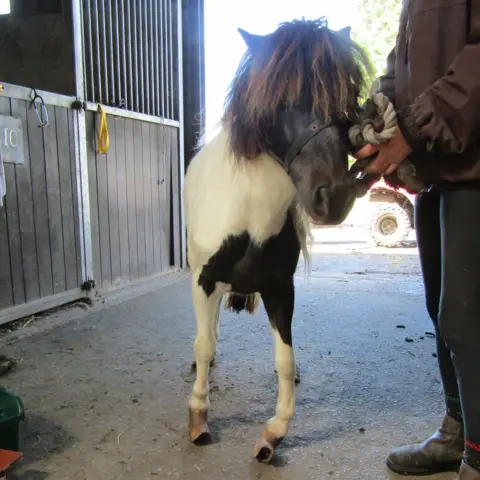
(206, 312)
(279, 303)
(216, 332)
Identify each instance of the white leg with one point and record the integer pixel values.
(206, 313)
(217, 327)
(216, 332)
(279, 304)
(285, 364)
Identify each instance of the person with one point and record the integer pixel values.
(433, 79)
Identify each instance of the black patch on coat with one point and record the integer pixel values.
(268, 269)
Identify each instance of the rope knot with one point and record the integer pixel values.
(377, 124)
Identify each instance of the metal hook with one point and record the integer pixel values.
(43, 114)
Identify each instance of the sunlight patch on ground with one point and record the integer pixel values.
(354, 239)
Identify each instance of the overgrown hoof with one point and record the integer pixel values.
(198, 430)
(265, 447)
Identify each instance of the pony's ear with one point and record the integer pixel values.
(254, 42)
(345, 32)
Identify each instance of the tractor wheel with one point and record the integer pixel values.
(389, 225)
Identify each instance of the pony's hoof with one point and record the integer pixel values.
(198, 430)
(265, 447)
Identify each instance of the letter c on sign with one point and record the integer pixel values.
(13, 138)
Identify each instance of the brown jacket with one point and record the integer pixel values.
(433, 77)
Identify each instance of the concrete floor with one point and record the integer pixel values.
(105, 390)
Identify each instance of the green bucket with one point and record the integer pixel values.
(11, 414)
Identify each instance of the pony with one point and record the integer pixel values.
(279, 162)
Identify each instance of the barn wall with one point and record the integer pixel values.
(39, 242)
(73, 217)
(130, 199)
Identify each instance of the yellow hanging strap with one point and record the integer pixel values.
(103, 136)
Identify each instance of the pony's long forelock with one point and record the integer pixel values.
(302, 62)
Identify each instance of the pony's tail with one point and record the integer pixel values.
(236, 302)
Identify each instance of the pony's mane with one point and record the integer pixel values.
(303, 62)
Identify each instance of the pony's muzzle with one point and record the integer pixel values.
(331, 205)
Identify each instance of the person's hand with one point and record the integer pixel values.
(389, 155)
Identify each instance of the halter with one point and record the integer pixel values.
(292, 153)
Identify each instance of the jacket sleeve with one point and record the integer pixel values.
(386, 83)
(445, 118)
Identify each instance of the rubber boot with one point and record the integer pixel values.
(442, 452)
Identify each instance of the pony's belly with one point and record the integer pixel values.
(246, 285)
(225, 283)
(249, 267)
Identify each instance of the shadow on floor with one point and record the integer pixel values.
(39, 439)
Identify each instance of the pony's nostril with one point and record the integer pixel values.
(321, 194)
(320, 201)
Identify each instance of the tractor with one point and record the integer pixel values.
(390, 218)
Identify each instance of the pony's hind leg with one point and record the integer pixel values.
(206, 308)
(279, 303)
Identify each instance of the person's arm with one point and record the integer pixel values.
(386, 83)
(445, 118)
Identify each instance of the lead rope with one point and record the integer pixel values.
(377, 125)
(384, 113)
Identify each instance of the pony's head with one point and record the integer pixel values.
(294, 96)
